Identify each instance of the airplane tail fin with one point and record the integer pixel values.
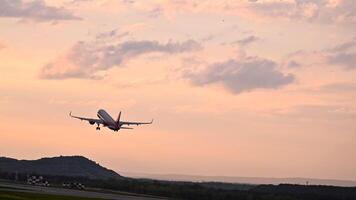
(118, 118)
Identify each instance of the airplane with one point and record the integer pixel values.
(107, 121)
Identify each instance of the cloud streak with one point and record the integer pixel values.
(86, 59)
(247, 40)
(241, 75)
(36, 10)
(319, 11)
(344, 46)
(347, 60)
(342, 55)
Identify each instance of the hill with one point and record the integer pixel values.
(73, 166)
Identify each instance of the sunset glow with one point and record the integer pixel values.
(261, 88)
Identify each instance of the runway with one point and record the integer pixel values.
(114, 195)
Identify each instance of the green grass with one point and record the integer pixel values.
(10, 195)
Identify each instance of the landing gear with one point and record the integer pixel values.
(98, 128)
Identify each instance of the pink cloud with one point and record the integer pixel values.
(332, 11)
(36, 10)
(89, 59)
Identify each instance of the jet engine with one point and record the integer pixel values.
(91, 122)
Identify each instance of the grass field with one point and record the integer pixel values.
(10, 195)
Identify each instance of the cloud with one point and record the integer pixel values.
(319, 11)
(293, 64)
(111, 35)
(242, 75)
(304, 9)
(347, 60)
(36, 10)
(88, 59)
(105, 35)
(246, 41)
(342, 55)
(344, 46)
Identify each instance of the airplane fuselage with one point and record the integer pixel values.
(108, 120)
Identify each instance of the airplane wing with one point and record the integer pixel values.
(92, 121)
(135, 123)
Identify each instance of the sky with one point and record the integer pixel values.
(261, 88)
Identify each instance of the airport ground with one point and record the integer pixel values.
(132, 189)
(12, 191)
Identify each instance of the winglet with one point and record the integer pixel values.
(151, 121)
(70, 113)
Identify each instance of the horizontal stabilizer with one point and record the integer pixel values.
(125, 128)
